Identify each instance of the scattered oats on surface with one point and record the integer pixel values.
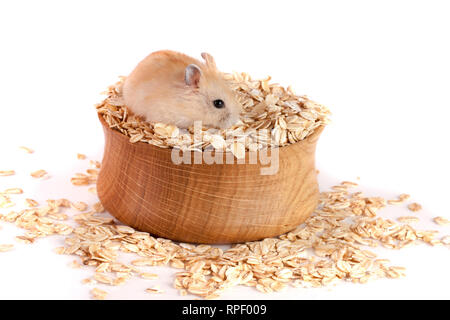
(24, 239)
(322, 251)
(177, 264)
(80, 206)
(125, 229)
(99, 294)
(31, 203)
(155, 289)
(103, 267)
(94, 164)
(401, 198)
(93, 190)
(60, 250)
(414, 207)
(81, 156)
(26, 149)
(182, 292)
(7, 172)
(441, 221)
(445, 240)
(5, 201)
(13, 191)
(6, 247)
(329, 247)
(98, 207)
(349, 184)
(404, 196)
(102, 278)
(408, 219)
(38, 173)
(79, 181)
(149, 276)
(84, 179)
(88, 281)
(92, 172)
(75, 264)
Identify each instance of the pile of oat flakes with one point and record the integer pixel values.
(331, 246)
(272, 116)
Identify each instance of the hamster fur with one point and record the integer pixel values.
(173, 88)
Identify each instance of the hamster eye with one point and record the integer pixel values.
(219, 103)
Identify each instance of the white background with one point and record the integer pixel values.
(382, 67)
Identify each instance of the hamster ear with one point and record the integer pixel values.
(209, 60)
(192, 75)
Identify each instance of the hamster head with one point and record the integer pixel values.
(219, 105)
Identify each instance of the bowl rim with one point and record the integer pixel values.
(309, 139)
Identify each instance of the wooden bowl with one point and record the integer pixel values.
(206, 203)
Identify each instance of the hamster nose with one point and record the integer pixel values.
(229, 120)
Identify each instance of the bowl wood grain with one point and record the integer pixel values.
(218, 203)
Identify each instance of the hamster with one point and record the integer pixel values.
(173, 88)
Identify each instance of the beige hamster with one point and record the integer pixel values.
(173, 88)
